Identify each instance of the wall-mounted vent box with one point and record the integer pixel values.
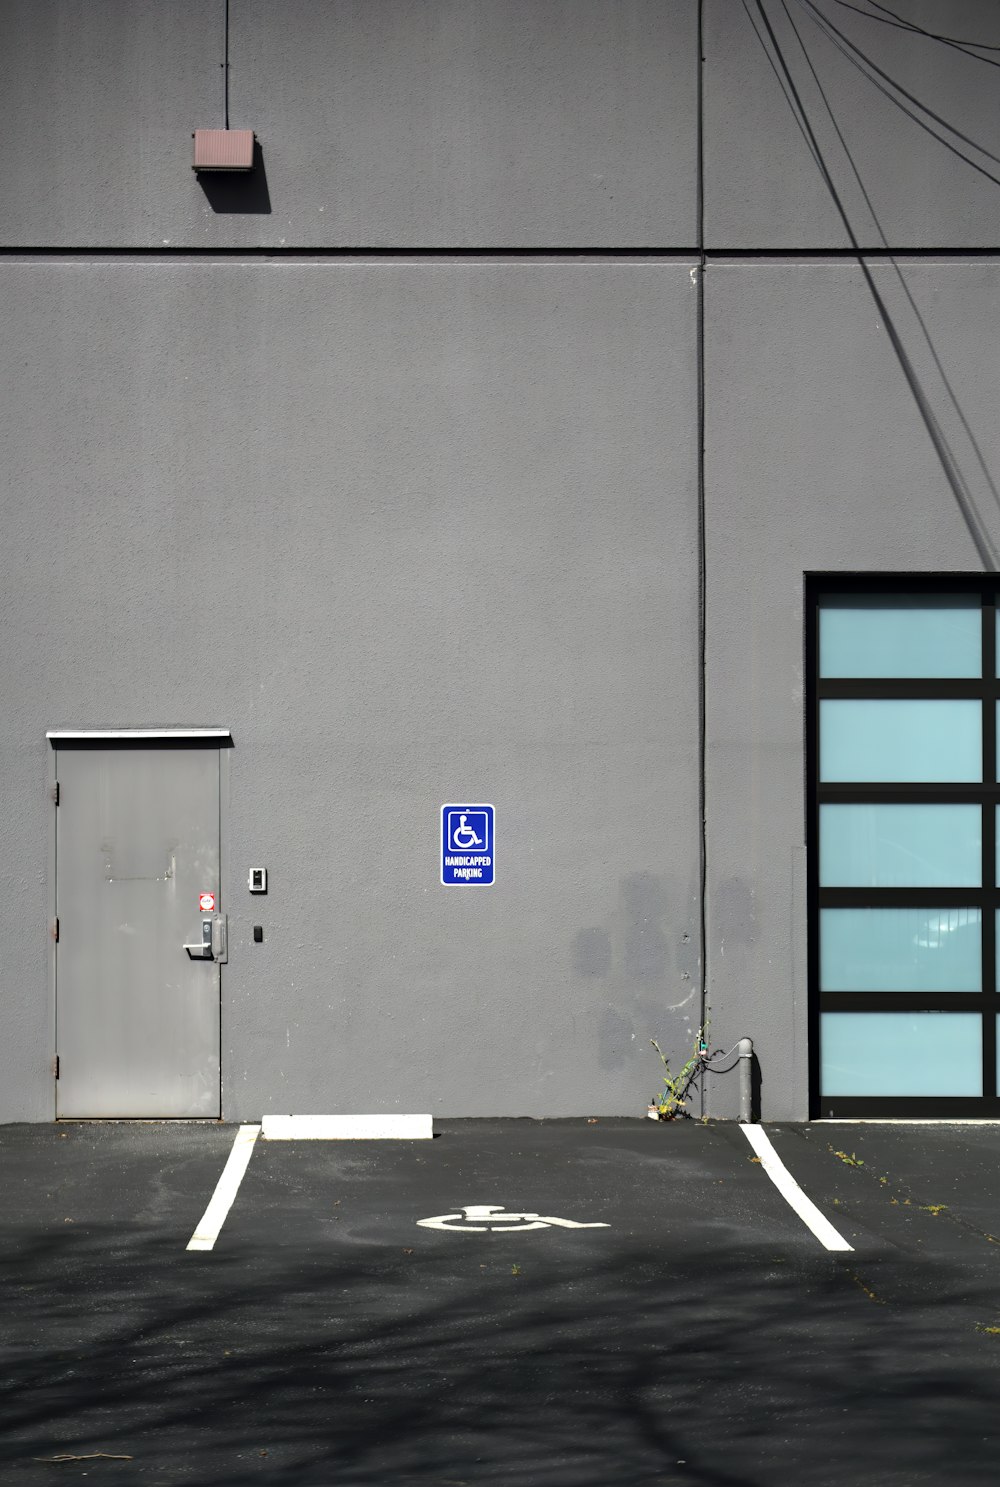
(223, 149)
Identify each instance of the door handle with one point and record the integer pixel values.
(214, 942)
(202, 950)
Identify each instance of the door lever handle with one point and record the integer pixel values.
(205, 946)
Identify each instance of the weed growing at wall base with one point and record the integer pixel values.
(670, 1103)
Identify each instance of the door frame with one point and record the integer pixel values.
(986, 587)
(56, 736)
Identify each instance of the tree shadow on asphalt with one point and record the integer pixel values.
(735, 1368)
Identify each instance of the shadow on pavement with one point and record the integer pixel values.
(371, 1365)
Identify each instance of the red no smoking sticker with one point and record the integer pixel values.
(206, 903)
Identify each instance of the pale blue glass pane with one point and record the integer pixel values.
(901, 635)
(902, 1053)
(922, 740)
(900, 846)
(900, 949)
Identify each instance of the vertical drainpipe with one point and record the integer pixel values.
(745, 1047)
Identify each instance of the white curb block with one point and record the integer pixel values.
(347, 1127)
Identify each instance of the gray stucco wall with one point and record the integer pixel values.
(434, 524)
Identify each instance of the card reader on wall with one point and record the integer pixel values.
(257, 881)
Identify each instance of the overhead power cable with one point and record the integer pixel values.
(835, 34)
(781, 82)
(901, 24)
(956, 405)
(866, 67)
(964, 499)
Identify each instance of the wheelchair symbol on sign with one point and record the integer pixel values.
(463, 835)
(468, 831)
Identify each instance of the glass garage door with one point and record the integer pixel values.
(903, 865)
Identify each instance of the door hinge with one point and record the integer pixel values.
(55, 930)
(54, 792)
(55, 1067)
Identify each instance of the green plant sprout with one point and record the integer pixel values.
(671, 1100)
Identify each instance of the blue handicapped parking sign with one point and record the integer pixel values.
(467, 849)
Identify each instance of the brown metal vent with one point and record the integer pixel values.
(223, 149)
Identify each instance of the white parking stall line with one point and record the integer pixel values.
(791, 1192)
(226, 1188)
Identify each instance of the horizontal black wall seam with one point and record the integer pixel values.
(833, 254)
(680, 254)
(685, 254)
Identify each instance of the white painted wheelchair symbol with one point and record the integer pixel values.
(487, 1218)
(463, 836)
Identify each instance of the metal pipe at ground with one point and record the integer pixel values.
(745, 1047)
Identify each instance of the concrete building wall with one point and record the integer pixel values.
(401, 434)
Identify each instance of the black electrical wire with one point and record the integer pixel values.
(707, 1059)
(964, 499)
(819, 19)
(703, 1065)
(225, 72)
(781, 81)
(795, 106)
(863, 62)
(702, 554)
(824, 24)
(901, 24)
(956, 405)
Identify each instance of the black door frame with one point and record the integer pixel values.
(986, 898)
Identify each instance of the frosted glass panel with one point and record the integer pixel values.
(901, 1053)
(920, 740)
(901, 635)
(900, 949)
(900, 846)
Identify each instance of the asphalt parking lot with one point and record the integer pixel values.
(703, 1336)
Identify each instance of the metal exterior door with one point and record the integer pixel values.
(137, 845)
